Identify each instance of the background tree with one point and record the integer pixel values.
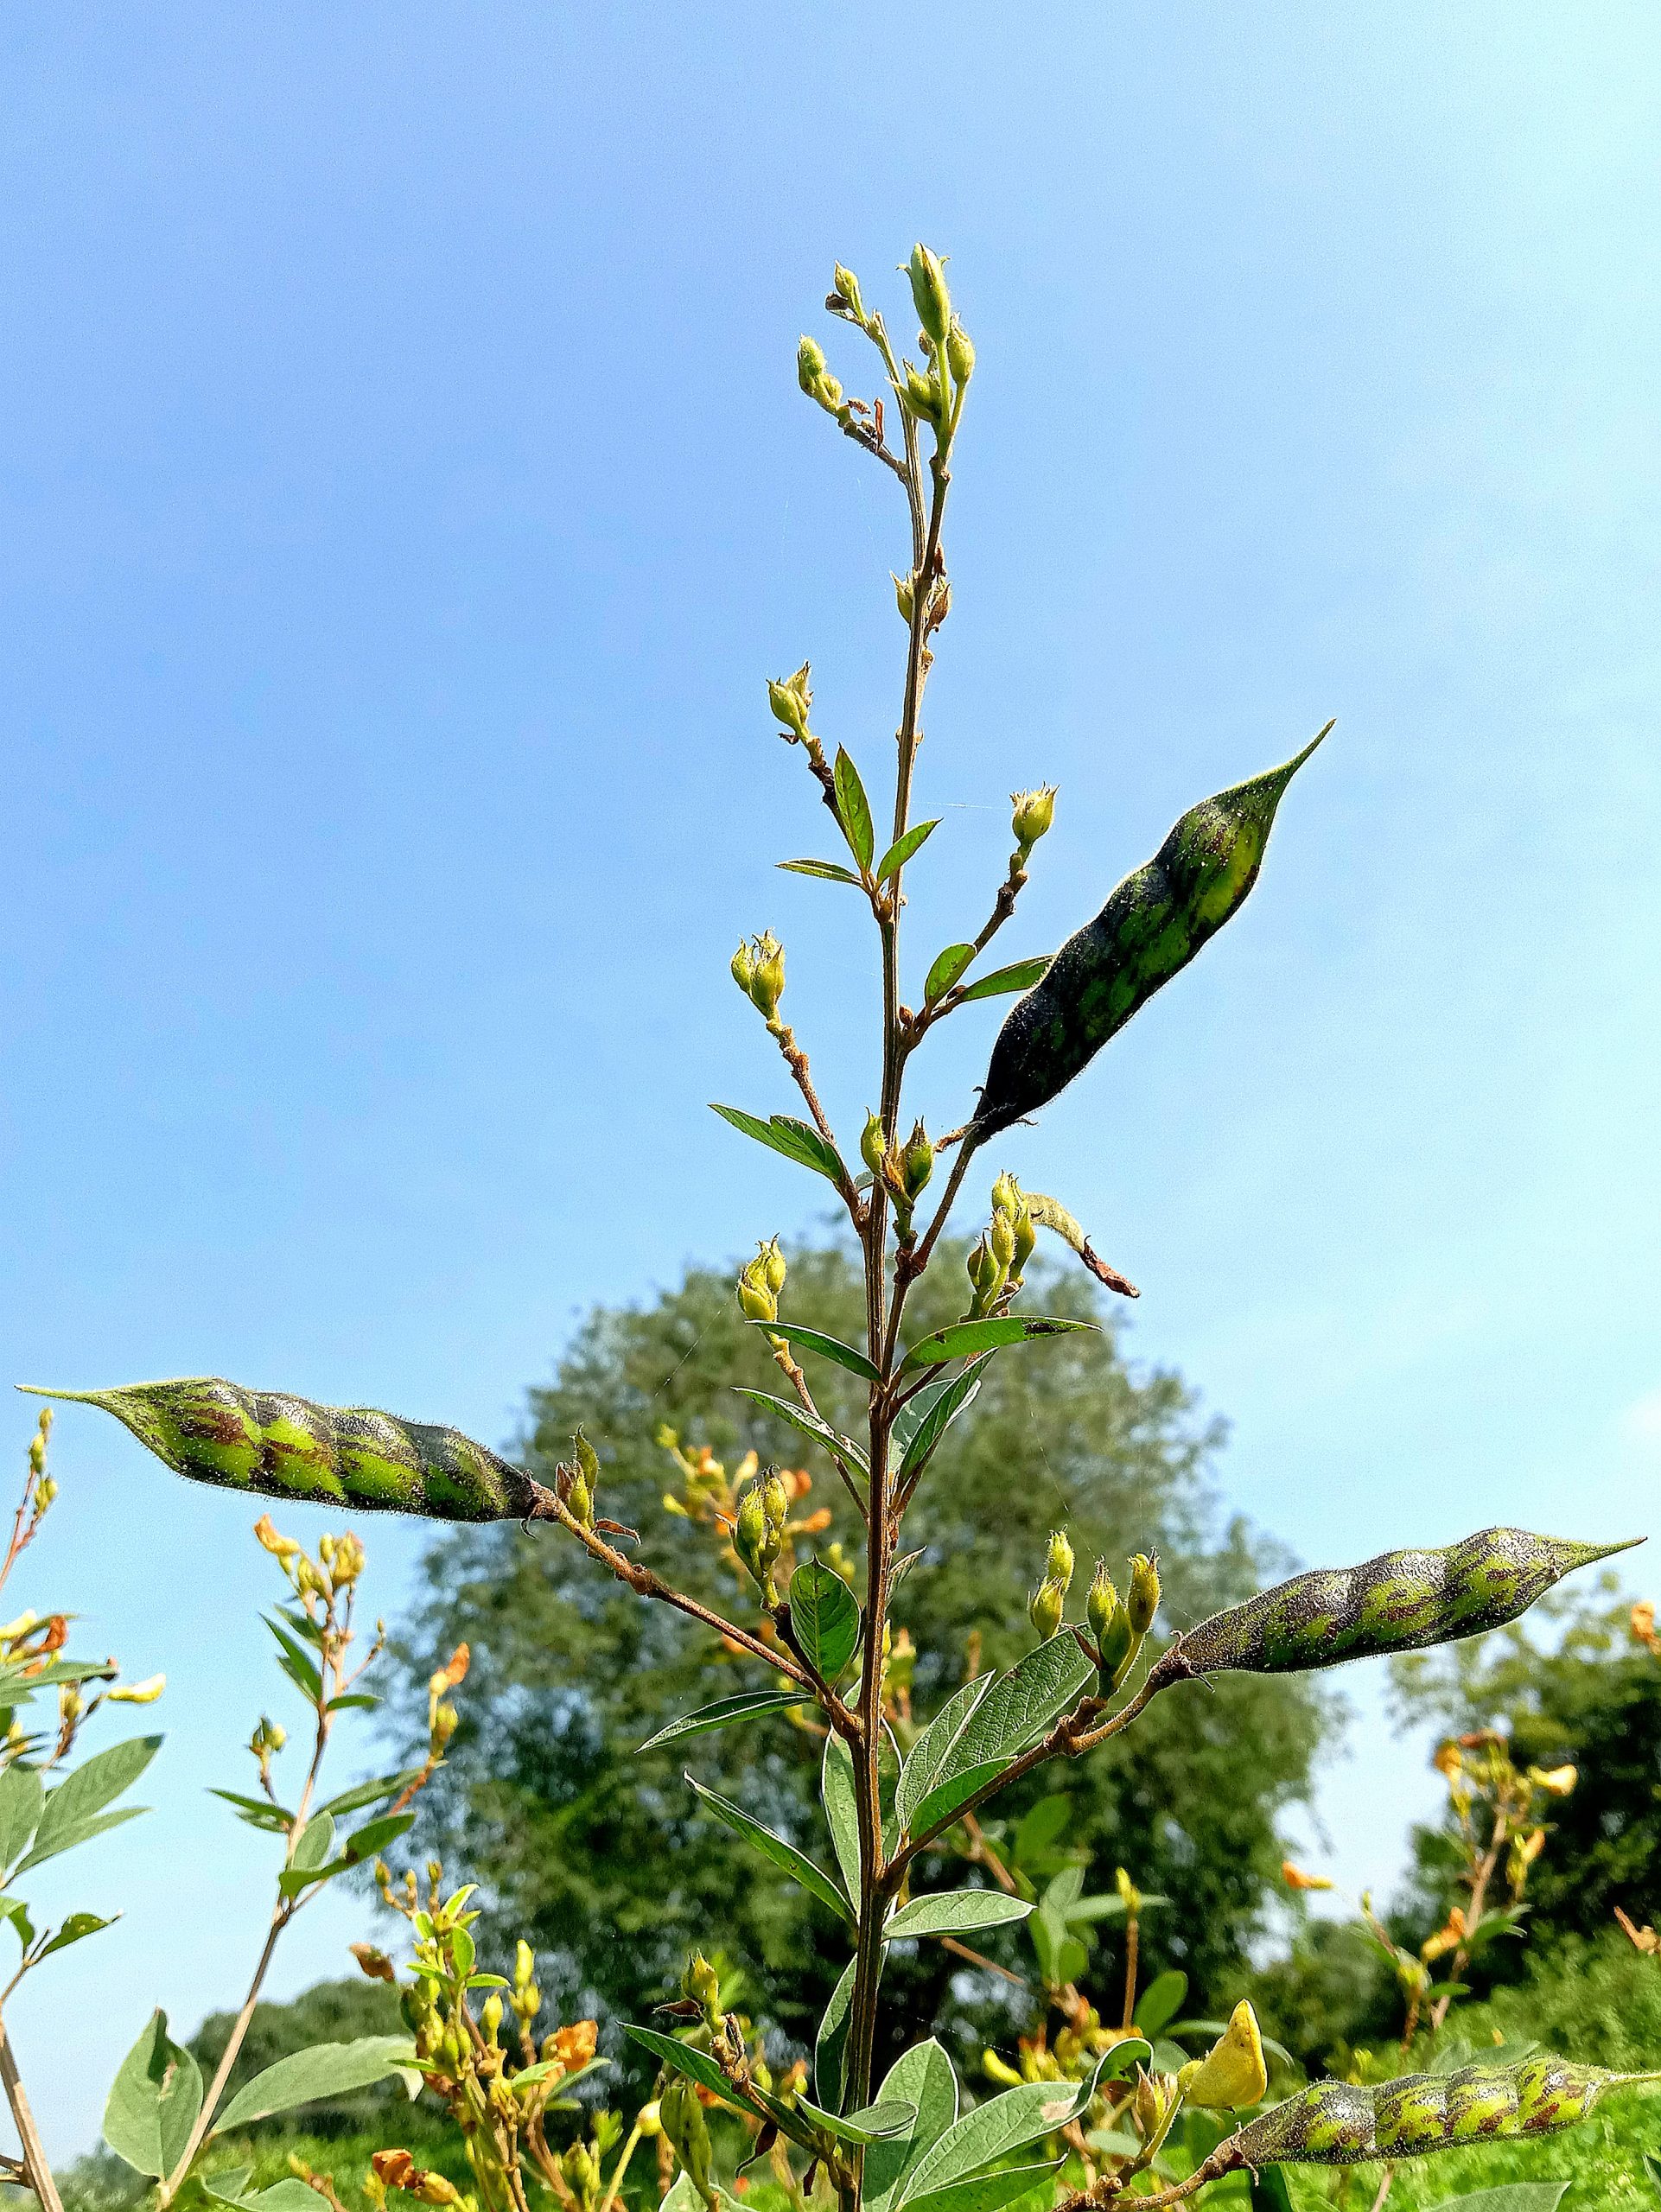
(601, 1855)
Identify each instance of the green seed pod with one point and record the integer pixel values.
(1154, 923)
(682, 2119)
(1341, 2124)
(1397, 1602)
(274, 1446)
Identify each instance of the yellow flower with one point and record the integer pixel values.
(144, 1693)
(1295, 1879)
(1231, 2075)
(1560, 1781)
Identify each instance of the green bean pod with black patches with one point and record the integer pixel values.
(1397, 1602)
(1343, 2124)
(1151, 927)
(275, 1445)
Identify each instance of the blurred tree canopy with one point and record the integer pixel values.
(601, 1858)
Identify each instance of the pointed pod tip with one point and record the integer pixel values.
(71, 1397)
(1320, 738)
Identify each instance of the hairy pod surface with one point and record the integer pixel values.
(1342, 2124)
(279, 1447)
(1151, 927)
(1397, 1602)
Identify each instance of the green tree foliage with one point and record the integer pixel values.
(1575, 1687)
(604, 1857)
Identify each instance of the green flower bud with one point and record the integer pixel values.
(490, 2016)
(756, 1541)
(873, 1145)
(1006, 1195)
(1109, 1624)
(587, 1460)
(959, 353)
(1059, 1567)
(756, 1305)
(1143, 1601)
(580, 1500)
(929, 294)
(903, 597)
(847, 293)
(777, 1266)
(922, 397)
(743, 967)
(767, 983)
(1026, 1236)
(703, 1984)
(790, 700)
(809, 366)
(1034, 812)
(916, 1162)
(1001, 1238)
(1045, 1607)
(775, 1500)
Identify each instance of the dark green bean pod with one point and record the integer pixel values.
(1153, 925)
(277, 1446)
(1394, 1603)
(1340, 2124)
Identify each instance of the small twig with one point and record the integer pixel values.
(979, 1959)
(1383, 2190)
(35, 2167)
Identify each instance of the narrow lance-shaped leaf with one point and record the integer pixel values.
(796, 1140)
(921, 2077)
(853, 808)
(722, 1713)
(821, 1431)
(326, 2069)
(825, 1616)
(902, 848)
(946, 968)
(1151, 927)
(956, 1912)
(836, 1794)
(812, 1879)
(1397, 1602)
(962, 1339)
(827, 1347)
(268, 1444)
(1019, 2116)
(1021, 975)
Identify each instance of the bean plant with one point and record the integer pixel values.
(908, 2138)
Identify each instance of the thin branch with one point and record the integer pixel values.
(37, 2170)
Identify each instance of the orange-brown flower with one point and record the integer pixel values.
(574, 2045)
(1295, 1879)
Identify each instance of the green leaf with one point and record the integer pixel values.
(902, 848)
(827, 1347)
(1041, 1828)
(547, 2070)
(1020, 977)
(871, 2123)
(722, 1713)
(936, 1408)
(964, 1338)
(22, 1799)
(226, 2186)
(67, 1839)
(825, 1616)
(1653, 2168)
(813, 1879)
(1270, 2190)
(94, 1784)
(820, 1430)
(1017, 1710)
(929, 1753)
(956, 1912)
(288, 2195)
(684, 2197)
(841, 1808)
(796, 1140)
(1509, 2196)
(1018, 2117)
(327, 2069)
(258, 1812)
(17, 1911)
(948, 966)
(374, 1835)
(828, 871)
(853, 809)
(832, 2039)
(154, 2102)
(355, 1701)
(367, 1793)
(77, 1925)
(1161, 2002)
(985, 2192)
(923, 2078)
(294, 1663)
(316, 1842)
(696, 2065)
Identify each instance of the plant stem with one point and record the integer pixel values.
(37, 2171)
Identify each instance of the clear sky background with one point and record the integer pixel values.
(406, 492)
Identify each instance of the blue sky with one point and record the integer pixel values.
(406, 492)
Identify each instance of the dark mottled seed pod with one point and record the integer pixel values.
(1340, 2124)
(1153, 925)
(279, 1447)
(1394, 1603)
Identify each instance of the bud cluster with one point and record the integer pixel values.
(903, 1169)
(576, 1480)
(758, 968)
(1048, 1601)
(790, 698)
(761, 1283)
(1000, 1255)
(759, 1530)
(1034, 812)
(817, 381)
(1119, 1624)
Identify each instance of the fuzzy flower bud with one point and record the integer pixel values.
(929, 294)
(1109, 1624)
(959, 353)
(916, 1162)
(873, 1145)
(703, 1984)
(1044, 1608)
(1035, 811)
(1295, 1879)
(847, 298)
(1001, 1236)
(490, 2016)
(1059, 1567)
(922, 396)
(1142, 1601)
(790, 700)
(903, 598)
(776, 1265)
